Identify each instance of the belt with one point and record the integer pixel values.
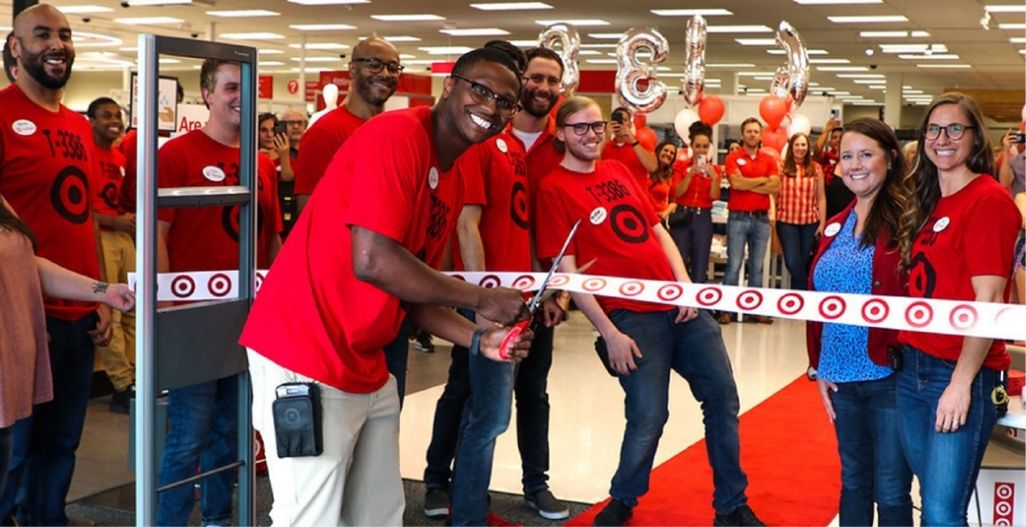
(752, 213)
(696, 210)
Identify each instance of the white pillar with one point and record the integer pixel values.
(892, 100)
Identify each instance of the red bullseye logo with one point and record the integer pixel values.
(593, 284)
(183, 286)
(749, 300)
(875, 311)
(919, 314)
(790, 303)
(524, 282)
(709, 296)
(631, 288)
(490, 281)
(219, 285)
(670, 292)
(963, 317)
(832, 307)
(559, 280)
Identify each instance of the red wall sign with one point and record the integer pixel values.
(293, 86)
(265, 86)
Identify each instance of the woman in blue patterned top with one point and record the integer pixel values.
(857, 254)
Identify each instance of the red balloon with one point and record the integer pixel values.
(647, 136)
(1022, 126)
(640, 120)
(772, 109)
(774, 138)
(711, 110)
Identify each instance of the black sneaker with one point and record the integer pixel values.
(436, 504)
(422, 342)
(742, 515)
(616, 513)
(547, 505)
(121, 400)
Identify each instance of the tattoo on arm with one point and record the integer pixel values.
(100, 287)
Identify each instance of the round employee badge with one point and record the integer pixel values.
(23, 127)
(213, 173)
(501, 145)
(941, 224)
(741, 162)
(433, 178)
(832, 229)
(598, 216)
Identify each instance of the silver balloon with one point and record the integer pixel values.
(797, 62)
(694, 60)
(781, 83)
(631, 71)
(563, 39)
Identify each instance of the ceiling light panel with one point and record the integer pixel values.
(256, 35)
(321, 27)
(243, 13)
(324, 46)
(511, 6)
(83, 9)
(867, 19)
(408, 18)
(739, 29)
(148, 20)
(691, 12)
(578, 22)
(329, 2)
(475, 32)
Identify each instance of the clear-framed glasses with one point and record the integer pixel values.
(376, 65)
(484, 95)
(582, 128)
(955, 131)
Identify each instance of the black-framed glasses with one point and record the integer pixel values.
(376, 65)
(582, 128)
(484, 95)
(955, 131)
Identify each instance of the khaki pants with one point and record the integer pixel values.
(355, 481)
(118, 355)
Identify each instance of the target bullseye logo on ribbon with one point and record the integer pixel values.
(974, 319)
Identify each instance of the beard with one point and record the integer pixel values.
(582, 153)
(368, 93)
(530, 107)
(35, 66)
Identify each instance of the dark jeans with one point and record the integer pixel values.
(531, 390)
(44, 447)
(797, 242)
(694, 350)
(873, 466)
(946, 463)
(202, 430)
(694, 241)
(6, 449)
(397, 353)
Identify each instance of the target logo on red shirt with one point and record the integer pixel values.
(518, 205)
(69, 195)
(628, 224)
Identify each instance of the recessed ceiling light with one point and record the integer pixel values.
(475, 32)
(841, 68)
(941, 56)
(256, 35)
(168, 61)
(137, 3)
(756, 41)
(691, 12)
(445, 50)
(829, 61)
(407, 56)
(913, 48)
(860, 75)
(867, 19)
(601, 61)
(893, 34)
(588, 52)
(877, 86)
(316, 59)
(320, 45)
(402, 38)
(268, 63)
(754, 73)
(1012, 26)
(739, 29)
(148, 20)
(809, 51)
(939, 66)
(83, 9)
(866, 81)
(407, 18)
(737, 65)
(511, 6)
(614, 36)
(321, 27)
(577, 22)
(1005, 8)
(329, 2)
(1017, 40)
(270, 51)
(241, 13)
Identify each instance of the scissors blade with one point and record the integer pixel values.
(532, 306)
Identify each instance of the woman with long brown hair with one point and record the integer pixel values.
(696, 184)
(660, 178)
(801, 208)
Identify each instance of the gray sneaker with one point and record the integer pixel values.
(547, 505)
(436, 504)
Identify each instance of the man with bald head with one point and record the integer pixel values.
(46, 166)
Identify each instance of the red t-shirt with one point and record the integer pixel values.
(625, 154)
(207, 238)
(969, 233)
(620, 237)
(46, 174)
(313, 316)
(127, 148)
(761, 165)
(541, 158)
(495, 177)
(110, 173)
(697, 193)
(319, 144)
(660, 194)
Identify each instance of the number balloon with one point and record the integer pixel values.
(694, 60)
(631, 72)
(563, 39)
(797, 68)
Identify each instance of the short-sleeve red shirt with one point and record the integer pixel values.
(697, 193)
(760, 165)
(127, 148)
(625, 154)
(541, 158)
(47, 175)
(495, 177)
(207, 238)
(969, 233)
(313, 316)
(110, 174)
(616, 229)
(319, 144)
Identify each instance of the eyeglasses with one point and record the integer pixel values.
(955, 131)
(375, 65)
(484, 95)
(582, 128)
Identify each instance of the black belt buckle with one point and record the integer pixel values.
(999, 396)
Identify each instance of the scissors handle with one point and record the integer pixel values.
(507, 342)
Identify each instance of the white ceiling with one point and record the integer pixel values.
(995, 61)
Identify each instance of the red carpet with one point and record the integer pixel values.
(788, 450)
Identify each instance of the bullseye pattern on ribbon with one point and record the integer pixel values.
(975, 319)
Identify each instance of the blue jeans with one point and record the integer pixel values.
(754, 231)
(797, 242)
(485, 417)
(202, 430)
(531, 389)
(694, 241)
(873, 466)
(696, 352)
(43, 458)
(945, 463)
